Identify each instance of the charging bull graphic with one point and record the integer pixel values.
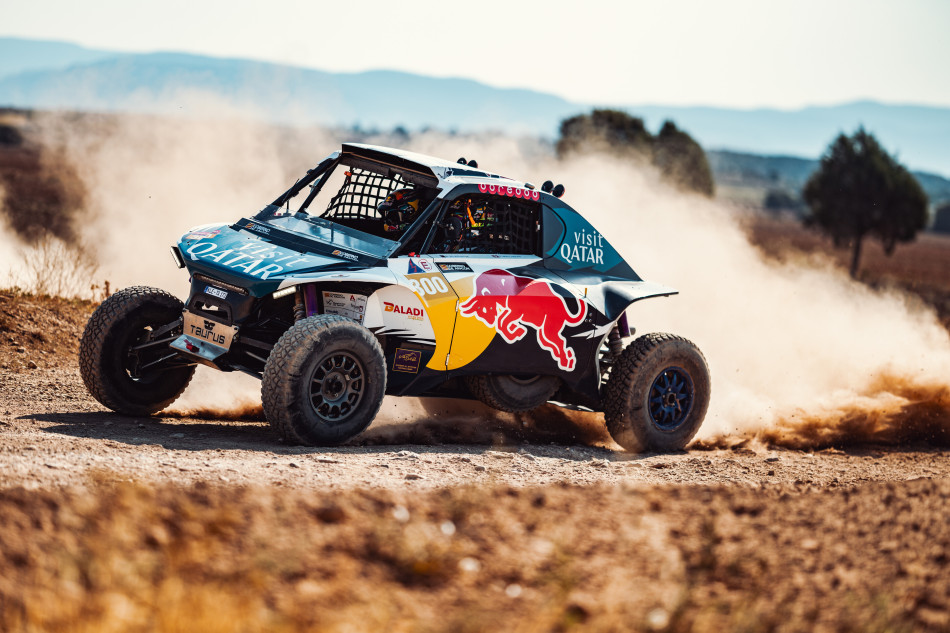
(508, 303)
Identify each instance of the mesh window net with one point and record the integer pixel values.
(495, 225)
(361, 193)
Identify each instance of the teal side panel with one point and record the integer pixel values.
(572, 244)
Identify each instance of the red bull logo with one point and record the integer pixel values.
(511, 304)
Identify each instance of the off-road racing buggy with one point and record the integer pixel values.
(416, 277)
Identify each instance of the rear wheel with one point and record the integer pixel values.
(513, 393)
(124, 358)
(324, 381)
(657, 394)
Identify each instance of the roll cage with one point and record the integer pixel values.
(515, 228)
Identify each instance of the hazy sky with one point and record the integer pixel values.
(744, 53)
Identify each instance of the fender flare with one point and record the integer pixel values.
(614, 297)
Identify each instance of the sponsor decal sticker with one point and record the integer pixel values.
(454, 267)
(208, 330)
(511, 192)
(588, 248)
(199, 235)
(255, 258)
(259, 228)
(344, 255)
(216, 292)
(511, 304)
(407, 360)
(345, 304)
(411, 313)
(417, 268)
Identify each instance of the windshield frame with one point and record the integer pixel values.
(317, 178)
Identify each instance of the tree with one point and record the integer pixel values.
(682, 160)
(679, 158)
(942, 219)
(610, 130)
(859, 191)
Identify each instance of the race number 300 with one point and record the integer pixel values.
(431, 285)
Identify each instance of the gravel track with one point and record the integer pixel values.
(53, 433)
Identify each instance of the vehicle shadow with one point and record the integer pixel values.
(439, 426)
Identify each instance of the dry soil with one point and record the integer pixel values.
(457, 521)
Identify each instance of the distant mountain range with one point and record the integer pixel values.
(58, 75)
(177, 82)
(20, 56)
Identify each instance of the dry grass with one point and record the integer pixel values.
(119, 556)
(55, 268)
(43, 202)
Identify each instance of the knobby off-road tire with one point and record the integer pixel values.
(657, 394)
(324, 381)
(109, 367)
(513, 394)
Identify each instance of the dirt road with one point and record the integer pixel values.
(445, 519)
(54, 434)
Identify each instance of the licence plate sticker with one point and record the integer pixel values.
(207, 330)
(216, 292)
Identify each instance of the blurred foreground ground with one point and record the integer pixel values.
(453, 521)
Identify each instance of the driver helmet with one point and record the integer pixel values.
(399, 208)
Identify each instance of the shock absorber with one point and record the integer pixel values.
(299, 310)
(614, 343)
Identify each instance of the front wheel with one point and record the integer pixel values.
(657, 394)
(124, 357)
(324, 381)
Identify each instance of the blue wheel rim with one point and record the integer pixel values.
(671, 398)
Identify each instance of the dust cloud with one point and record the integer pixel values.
(8, 248)
(796, 349)
(431, 421)
(152, 178)
(213, 395)
(800, 354)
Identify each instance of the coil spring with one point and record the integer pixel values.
(615, 343)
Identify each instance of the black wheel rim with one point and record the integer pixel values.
(671, 398)
(337, 387)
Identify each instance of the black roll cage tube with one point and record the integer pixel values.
(312, 174)
(330, 163)
(410, 233)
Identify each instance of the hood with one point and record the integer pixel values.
(251, 261)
